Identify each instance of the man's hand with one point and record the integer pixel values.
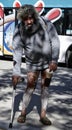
(16, 80)
(53, 66)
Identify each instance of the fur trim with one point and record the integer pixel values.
(25, 11)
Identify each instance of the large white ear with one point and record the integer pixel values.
(54, 14)
(16, 3)
(1, 11)
(39, 6)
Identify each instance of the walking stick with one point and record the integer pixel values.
(12, 109)
(13, 98)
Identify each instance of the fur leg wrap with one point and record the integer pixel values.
(44, 98)
(27, 97)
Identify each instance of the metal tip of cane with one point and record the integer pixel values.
(10, 125)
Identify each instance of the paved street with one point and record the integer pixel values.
(59, 103)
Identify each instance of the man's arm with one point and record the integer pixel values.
(55, 45)
(17, 56)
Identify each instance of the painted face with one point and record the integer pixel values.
(28, 22)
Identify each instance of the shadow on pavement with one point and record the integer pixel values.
(60, 99)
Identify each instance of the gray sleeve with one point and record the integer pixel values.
(55, 42)
(17, 52)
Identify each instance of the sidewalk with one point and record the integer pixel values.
(59, 103)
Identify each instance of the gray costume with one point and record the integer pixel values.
(41, 46)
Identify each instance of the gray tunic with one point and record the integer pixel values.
(40, 48)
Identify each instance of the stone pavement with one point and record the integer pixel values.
(59, 103)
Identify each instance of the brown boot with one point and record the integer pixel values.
(21, 118)
(45, 121)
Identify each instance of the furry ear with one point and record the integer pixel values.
(54, 14)
(39, 5)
